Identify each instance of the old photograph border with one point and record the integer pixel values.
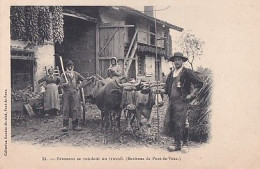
(235, 99)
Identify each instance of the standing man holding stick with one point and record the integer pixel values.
(178, 88)
(70, 98)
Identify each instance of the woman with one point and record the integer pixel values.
(114, 70)
(51, 95)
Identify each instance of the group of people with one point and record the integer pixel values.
(178, 87)
(69, 81)
(70, 99)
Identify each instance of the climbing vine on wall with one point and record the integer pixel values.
(37, 24)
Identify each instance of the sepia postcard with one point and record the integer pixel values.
(130, 84)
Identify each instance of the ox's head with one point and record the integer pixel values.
(149, 91)
(114, 90)
(128, 94)
(92, 87)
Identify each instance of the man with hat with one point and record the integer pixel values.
(178, 88)
(70, 98)
(114, 70)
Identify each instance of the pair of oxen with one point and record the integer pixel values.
(114, 96)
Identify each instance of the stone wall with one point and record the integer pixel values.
(43, 56)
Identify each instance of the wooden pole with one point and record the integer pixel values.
(62, 68)
(83, 104)
(157, 77)
(97, 49)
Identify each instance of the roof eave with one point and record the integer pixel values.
(177, 28)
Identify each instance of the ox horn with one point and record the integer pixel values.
(120, 85)
(155, 83)
(128, 84)
(138, 83)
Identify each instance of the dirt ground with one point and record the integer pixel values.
(45, 131)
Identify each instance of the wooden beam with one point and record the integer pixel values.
(16, 49)
(107, 58)
(150, 48)
(130, 59)
(129, 50)
(152, 18)
(131, 44)
(97, 49)
(117, 26)
(82, 16)
(136, 67)
(22, 57)
(159, 37)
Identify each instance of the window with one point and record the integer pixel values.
(141, 65)
(22, 67)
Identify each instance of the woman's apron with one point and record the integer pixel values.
(51, 97)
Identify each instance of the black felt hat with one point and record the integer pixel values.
(69, 63)
(180, 55)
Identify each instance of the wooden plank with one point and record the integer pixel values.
(141, 30)
(110, 45)
(101, 41)
(29, 110)
(115, 44)
(113, 52)
(122, 42)
(106, 35)
(108, 41)
(103, 66)
(100, 70)
(102, 37)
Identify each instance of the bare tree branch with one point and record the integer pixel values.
(191, 46)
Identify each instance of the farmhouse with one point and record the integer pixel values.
(92, 35)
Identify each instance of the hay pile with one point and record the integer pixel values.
(199, 113)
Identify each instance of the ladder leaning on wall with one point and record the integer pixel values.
(56, 71)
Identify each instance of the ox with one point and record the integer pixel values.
(108, 97)
(140, 103)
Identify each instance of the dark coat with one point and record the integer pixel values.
(187, 77)
(72, 81)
